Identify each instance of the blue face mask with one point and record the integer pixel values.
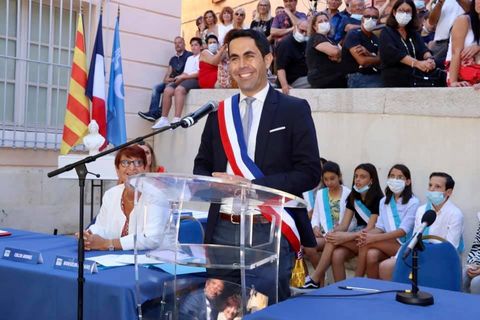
(435, 197)
(362, 189)
(356, 16)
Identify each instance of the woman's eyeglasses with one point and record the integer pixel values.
(136, 163)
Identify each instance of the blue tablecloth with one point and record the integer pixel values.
(448, 305)
(42, 292)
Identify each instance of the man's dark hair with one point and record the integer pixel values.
(449, 182)
(260, 40)
(211, 36)
(196, 39)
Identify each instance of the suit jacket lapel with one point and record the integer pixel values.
(268, 114)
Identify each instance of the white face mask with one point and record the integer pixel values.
(213, 47)
(403, 18)
(396, 185)
(419, 4)
(323, 27)
(369, 24)
(356, 16)
(298, 36)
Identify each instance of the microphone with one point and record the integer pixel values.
(201, 112)
(427, 220)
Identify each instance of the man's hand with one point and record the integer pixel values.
(179, 79)
(230, 177)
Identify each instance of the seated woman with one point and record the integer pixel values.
(401, 47)
(151, 158)
(114, 227)
(394, 224)
(323, 56)
(463, 56)
(209, 60)
(362, 203)
(471, 274)
(329, 208)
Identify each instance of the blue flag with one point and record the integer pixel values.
(116, 128)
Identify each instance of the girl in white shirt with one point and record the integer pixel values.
(394, 225)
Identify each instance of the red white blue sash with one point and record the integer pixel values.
(231, 133)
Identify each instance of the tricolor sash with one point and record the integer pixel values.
(393, 219)
(231, 133)
(362, 210)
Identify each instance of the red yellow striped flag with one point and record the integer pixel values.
(77, 115)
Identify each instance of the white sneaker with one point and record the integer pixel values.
(176, 119)
(162, 122)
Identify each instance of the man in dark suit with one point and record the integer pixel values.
(202, 304)
(280, 139)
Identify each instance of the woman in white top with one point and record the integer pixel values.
(394, 225)
(463, 56)
(226, 23)
(330, 203)
(118, 221)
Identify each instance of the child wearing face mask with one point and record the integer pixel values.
(394, 225)
(209, 61)
(448, 223)
(341, 245)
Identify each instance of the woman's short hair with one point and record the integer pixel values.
(131, 152)
(227, 10)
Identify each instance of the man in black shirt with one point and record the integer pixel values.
(291, 63)
(175, 68)
(360, 58)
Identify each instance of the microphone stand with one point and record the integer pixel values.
(81, 169)
(415, 297)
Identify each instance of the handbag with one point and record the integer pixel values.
(434, 78)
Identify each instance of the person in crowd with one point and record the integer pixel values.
(291, 63)
(279, 10)
(176, 66)
(203, 303)
(209, 61)
(441, 20)
(463, 57)
(283, 23)
(323, 56)
(263, 19)
(118, 221)
(335, 16)
(422, 14)
(352, 21)
(448, 223)
(289, 161)
(341, 245)
(211, 27)
(226, 23)
(402, 48)
(239, 19)
(200, 27)
(151, 162)
(231, 308)
(471, 273)
(394, 225)
(329, 208)
(360, 58)
(179, 88)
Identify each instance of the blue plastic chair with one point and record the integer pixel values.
(191, 230)
(439, 266)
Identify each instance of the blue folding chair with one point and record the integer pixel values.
(439, 266)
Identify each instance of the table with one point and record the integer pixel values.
(42, 292)
(448, 304)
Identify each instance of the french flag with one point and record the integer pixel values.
(96, 84)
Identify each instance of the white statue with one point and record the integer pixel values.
(93, 141)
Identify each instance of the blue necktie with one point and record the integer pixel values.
(247, 119)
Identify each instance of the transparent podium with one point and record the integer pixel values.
(251, 219)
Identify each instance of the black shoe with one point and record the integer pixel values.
(310, 284)
(147, 116)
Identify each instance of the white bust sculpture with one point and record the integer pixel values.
(93, 141)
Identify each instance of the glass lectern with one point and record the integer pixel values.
(256, 211)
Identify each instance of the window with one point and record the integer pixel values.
(37, 39)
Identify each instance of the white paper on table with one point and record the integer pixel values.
(107, 260)
(130, 259)
(168, 255)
